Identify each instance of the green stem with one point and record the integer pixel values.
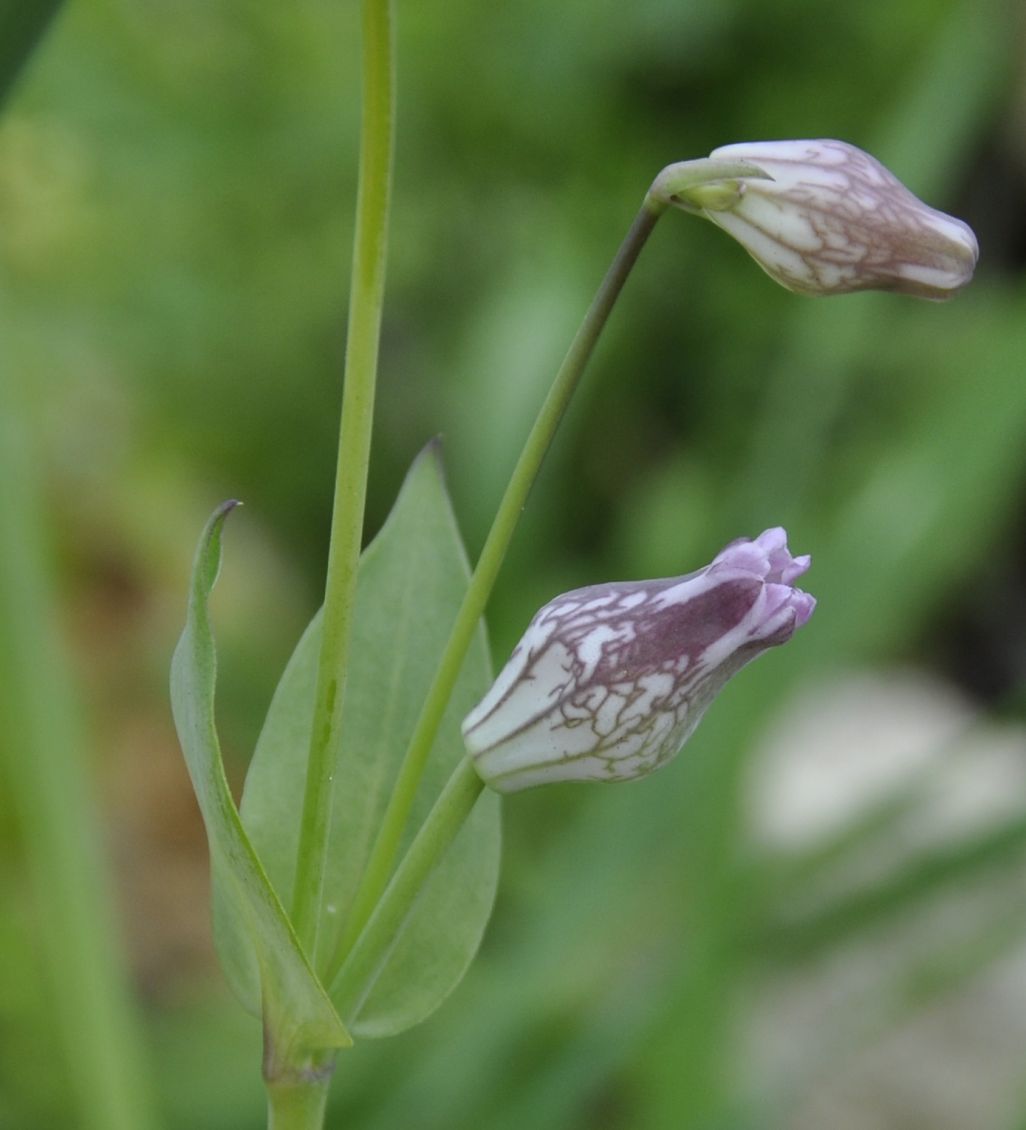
(443, 822)
(390, 833)
(297, 1104)
(366, 301)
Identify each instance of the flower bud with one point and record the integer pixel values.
(833, 220)
(609, 681)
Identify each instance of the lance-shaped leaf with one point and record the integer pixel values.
(299, 1018)
(411, 581)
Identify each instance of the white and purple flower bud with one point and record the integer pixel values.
(609, 681)
(830, 219)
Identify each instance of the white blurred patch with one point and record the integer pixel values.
(839, 1040)
(841, 749)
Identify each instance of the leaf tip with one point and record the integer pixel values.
(433, 449)
(432, 456)
(217, 519)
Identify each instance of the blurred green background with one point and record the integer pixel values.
(816, 918)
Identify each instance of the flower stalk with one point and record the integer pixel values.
(675, 184)
(389, 837)
(440, 828)
(377, 146)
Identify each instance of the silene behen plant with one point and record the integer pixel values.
(353, 883)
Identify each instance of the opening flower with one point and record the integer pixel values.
(830, 219)
(609, 681)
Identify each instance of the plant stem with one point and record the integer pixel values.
(366, 301)
(443, 822)
(297, 1104)
(539, 439)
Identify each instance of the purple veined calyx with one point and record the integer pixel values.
(828, 218)
(609, 681)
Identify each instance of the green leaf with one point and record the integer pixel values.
(412, 579)
(299, 1018)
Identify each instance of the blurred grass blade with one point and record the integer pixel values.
(950, 965)
(298, 1017)
(789, 940)
(789, 873)
(22, 25)
(411, 581)
(941, 966)
(45, 767)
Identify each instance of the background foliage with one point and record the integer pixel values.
(815, 918)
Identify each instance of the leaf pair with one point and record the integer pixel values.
(411, 581)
